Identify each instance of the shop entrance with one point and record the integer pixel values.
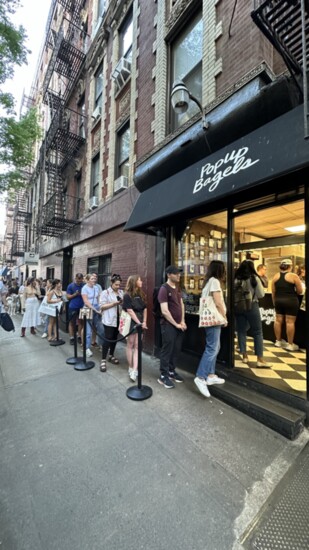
(268, 236)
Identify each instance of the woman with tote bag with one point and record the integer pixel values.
(205, 374)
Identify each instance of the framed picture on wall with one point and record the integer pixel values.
(192, 238)
(202, 269)
(191, 283)
(210, 243)
(201, 283)
(219, 243)
(192, 253)
(202, 240)
(202, 254)
(191, 268)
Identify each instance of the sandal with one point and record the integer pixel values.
(113, 360)
(103, 366)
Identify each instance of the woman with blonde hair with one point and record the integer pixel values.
(134, 302)
(53, 296)
(31, 296)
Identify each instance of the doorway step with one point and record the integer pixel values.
(280, 411)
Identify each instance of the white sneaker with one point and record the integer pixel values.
(44, 335)
(214, 380)
(202, 386)
(281, 344)
(133, 375)
(129, 371)
(89, 353)
(291, 347)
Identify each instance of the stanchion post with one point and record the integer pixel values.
(139, 392)
(74, 360)
(83, 364)
(58, 341)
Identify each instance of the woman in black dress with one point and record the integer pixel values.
(134, 302)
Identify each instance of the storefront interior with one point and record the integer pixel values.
(265, 235)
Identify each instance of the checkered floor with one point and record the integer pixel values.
(287, 372)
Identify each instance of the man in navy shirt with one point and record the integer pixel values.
(74, 295)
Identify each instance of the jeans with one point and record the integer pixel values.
(171, 345)
(208, 360)
(97, 324)
(250, 319)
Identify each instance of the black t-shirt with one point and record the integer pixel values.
(136, 303)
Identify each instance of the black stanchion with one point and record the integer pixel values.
(58, 341)
(139, 392)
(83, 364)
(74, 360)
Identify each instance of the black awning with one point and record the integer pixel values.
(273, 150)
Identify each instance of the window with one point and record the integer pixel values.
(101, 8)
(50, 273)
(187, 66)
(126, 39)
(81, 118)
(98, 90)
(102, 265)
(95, 177)
(123, 153)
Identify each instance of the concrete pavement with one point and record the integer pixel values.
(84, 467)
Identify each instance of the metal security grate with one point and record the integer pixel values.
(284, 524)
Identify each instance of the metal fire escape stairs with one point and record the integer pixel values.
(286, 25)
(58, 212)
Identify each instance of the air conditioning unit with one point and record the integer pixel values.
(122, 71)
(93, 203)
(96, 113)
(120, 184)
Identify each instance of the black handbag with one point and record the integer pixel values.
(6, 322)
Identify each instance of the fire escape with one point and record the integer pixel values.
(21, 224)
(58, 212)
(286, 25)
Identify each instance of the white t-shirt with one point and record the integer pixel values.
(213, 285)
(110, 315)
(93, 295)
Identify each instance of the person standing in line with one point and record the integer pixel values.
(252, 317)
(46, 318)
(110, 300)
(205, 374)
(286, 287)
(94, 332)
(172, 326)
(31, 297)
(261, 271)
(90, 296)
(134, 302)
(53, 296)
(74, 295)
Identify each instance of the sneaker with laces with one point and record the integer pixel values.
(214, 380)
(175, 377)
(166, 382)
(44, 335)
(202, 386)
(281, 343)
(89, 353)
(292, 347)
(72, 341)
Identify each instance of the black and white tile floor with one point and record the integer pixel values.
(288, 369)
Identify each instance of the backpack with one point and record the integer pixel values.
(156, 308)
(242, 296)
(6, 322)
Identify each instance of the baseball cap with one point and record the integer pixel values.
(173, 270)
(287, 261)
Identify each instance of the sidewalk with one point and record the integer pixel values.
(83, 467)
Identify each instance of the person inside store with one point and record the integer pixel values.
(301, 272)
(110, 302)
(90, 296)
(205, 374)
(172, 324)
(261, 271)
(251, 318)
(134, 302)
(74, 295)
(31, 303)
(54, 296)
(286, 289)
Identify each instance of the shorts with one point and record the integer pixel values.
(73, 312)
(287, 305)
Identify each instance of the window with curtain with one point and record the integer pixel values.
(123, 152)
(95, 177)
(186, 55)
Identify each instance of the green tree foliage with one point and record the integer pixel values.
(17, 137)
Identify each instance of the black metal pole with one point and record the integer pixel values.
(74, 360)
(83, 364)
(139, 392)
(58, 341)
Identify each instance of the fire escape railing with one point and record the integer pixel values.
(21, 224)
(286, 25)
(59, 212)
